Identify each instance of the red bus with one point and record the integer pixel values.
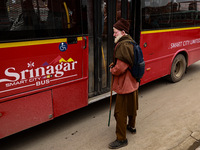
(54, 54)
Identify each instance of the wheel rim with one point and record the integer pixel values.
(179, 68)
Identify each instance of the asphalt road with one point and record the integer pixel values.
(168, 119)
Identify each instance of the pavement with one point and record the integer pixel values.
(170, 120)
(198, 148)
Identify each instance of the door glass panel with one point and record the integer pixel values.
(118, 9)
(129, 9)
(90, 13)
(126, 4)
(104, 49)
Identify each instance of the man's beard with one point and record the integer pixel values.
(117, 38)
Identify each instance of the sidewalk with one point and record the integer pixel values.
(190, 143)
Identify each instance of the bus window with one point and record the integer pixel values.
(118, 10)
(198, 13)
(4, 21)
(185, 12)
(161, 14)
(156, 14)
(63, 16)
(28, 19)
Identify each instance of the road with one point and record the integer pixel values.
(168, 119)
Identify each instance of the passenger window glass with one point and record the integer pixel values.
(22, 19)
(118, 9)
(184, 13)
(198, 12)
(156, 14)
(162, 14)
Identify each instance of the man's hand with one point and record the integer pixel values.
(111, 65)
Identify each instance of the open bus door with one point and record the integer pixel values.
(100, 22)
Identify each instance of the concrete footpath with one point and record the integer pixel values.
(169, 115)
(168, 119)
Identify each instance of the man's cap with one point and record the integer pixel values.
(122, 25)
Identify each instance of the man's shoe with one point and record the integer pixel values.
(132, 130)
(118, 144)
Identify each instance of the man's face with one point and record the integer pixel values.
(117, 34)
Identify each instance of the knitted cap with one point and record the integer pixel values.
(122, 25)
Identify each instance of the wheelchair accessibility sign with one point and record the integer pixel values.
(63, 47)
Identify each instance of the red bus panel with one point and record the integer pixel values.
(161, 46)
(35, 66)
(70, 97)
(41, 80)
(25, 112)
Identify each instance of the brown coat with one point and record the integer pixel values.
(124, 82)
(124, 50)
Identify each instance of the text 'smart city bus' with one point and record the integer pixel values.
(54, 54)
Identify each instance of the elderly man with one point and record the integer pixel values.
(124, 84)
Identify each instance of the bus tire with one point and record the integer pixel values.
(178, 68)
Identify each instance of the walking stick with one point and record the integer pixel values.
(110, 101)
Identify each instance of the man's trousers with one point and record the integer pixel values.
(126, 106)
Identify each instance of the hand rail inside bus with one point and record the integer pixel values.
(67, 14)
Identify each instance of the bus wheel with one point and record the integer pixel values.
(178, 68)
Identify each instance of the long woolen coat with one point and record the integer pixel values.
(124, 82)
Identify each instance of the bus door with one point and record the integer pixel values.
(101, 19)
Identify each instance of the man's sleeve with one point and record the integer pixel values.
(119, 68)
